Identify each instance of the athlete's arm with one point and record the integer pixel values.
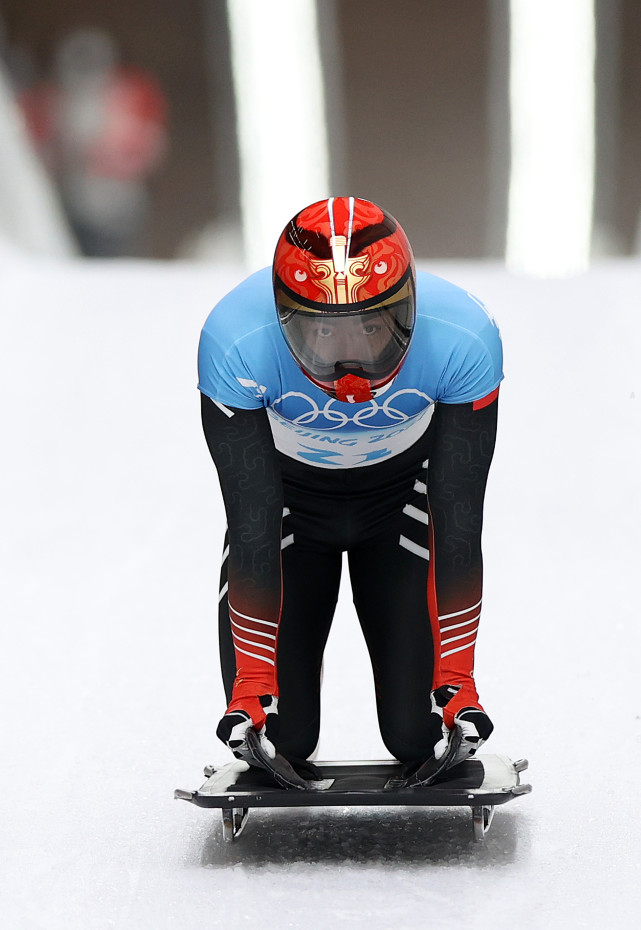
(463, 446)
(242, 447)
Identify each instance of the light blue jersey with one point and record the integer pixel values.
(455, 357)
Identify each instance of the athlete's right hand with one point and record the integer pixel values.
(244, 714)
(246, 728)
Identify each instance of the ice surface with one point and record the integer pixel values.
(109, 686)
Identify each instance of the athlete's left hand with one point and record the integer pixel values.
(259, 714)
(471, 724)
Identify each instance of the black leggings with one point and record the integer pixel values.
(378, 515)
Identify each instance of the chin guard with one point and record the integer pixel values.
(353, 390)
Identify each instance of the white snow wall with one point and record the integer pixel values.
(30, 216)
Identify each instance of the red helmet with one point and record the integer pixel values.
(345, 289)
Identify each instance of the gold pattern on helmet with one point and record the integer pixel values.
(343, 250)
(287, 300)
(348, 261)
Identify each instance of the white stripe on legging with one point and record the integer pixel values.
(254, 656)
(247, 630)
(453, 639)
(458, 649)
(225, 410)
(416, 514)
(255, 619)
(414, 547)
(459, 613)
(457, 626)
(252, 642)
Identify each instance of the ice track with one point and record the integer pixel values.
(112, 528)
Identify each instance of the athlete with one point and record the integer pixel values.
(350, 405)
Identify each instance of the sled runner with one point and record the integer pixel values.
(480, 784)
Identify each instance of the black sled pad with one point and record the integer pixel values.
(278, 767)
(486, 780)
(433, 770)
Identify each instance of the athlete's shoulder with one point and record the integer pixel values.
(240, 348)
(440, 300)
(459, 337)
(247, 308)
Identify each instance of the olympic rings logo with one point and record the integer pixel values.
(338, 418)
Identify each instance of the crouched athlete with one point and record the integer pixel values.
(350, 405)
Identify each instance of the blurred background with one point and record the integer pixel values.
(194, 130)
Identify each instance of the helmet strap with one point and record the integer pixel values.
(353, 390)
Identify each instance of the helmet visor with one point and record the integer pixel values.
(369, 343)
